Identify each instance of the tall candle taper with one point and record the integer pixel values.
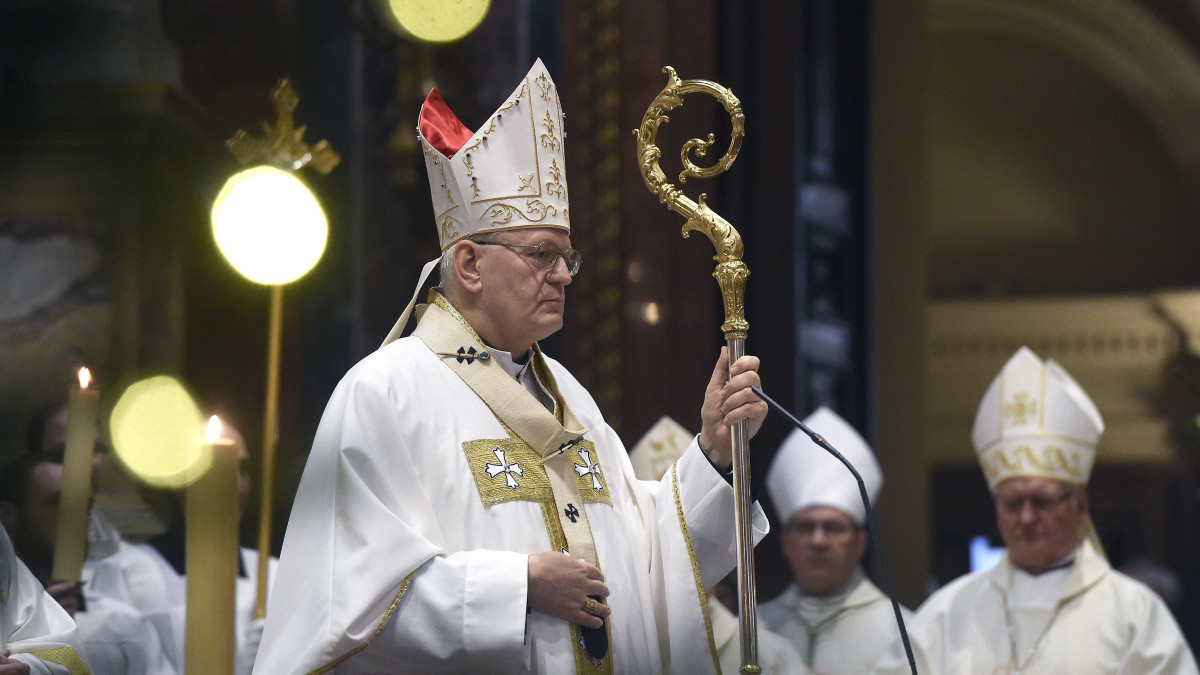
(71, 538)
(212, 560)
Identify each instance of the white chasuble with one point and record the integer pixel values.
(776, 655)
(1102, 622)
(37, 631)
(851, 637)
(408, 542)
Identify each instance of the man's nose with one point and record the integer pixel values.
(560, 272)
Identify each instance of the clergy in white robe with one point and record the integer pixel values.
(1084, 617)
(465, 508)
(836, 618)
(151, 578)
(776, 655)
(34, 630)
(409, 542)
(1052, 604)
(119, 640)
(652, 456)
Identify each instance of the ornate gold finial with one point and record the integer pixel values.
(283, 143)
(731, 272)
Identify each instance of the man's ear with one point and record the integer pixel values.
(466, 266)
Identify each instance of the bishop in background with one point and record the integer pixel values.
(1052, 604)
(465, 508)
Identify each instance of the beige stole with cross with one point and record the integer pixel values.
(545, 458)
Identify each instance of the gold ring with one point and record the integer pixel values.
(591, 606)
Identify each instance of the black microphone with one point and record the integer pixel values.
(862, 490)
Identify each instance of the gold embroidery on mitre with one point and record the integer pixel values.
(1019, 409)
(1050, 461)
(516, 101)
(555, 186)
(549, 138)
(545, 85)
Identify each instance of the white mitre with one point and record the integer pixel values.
(803, 474)
(658, 448)
(508, 174)
(1035, 420)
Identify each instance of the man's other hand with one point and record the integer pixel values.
(559, 585)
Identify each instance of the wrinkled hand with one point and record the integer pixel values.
(728, 400)
(11, 667)
(66, 594)
(559, 585)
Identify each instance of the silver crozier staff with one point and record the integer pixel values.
(731, 275)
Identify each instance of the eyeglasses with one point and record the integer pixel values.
(807, 528)
(1041, 503)
(545, 255)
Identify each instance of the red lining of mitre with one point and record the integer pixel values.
(441, 127)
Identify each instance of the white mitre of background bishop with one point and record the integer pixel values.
(658, 448)
(1035, 420)
(509, 174)
(803, 474)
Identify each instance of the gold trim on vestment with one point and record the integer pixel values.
(541, 444)
(63, 656)
(583, 662)
(521, 475)
(687, 538)
(387, 616)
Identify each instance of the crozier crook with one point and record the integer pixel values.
(731, 275)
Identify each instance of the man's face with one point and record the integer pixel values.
(523, 302)
(822, 545)
(1039, 519)
(33, 525)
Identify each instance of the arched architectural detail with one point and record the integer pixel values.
(1123, 43)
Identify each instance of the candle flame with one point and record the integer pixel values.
(85, 376)
(213, 433)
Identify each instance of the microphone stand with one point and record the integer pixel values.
(871, 526)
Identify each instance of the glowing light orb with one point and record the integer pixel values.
(439, 20)
(158, 432)
(269, 225)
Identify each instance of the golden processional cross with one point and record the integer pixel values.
(731, 276)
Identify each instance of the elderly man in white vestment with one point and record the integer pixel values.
(839, 621)
(465, 508)
(652, 456)
(1052, 604)
(37, 637)
(118, 639)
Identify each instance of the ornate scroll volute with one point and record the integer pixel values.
(731, 272)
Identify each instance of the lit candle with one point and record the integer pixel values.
(71, 538)
(212, 560)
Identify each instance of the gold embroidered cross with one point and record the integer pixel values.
(1020, 408)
